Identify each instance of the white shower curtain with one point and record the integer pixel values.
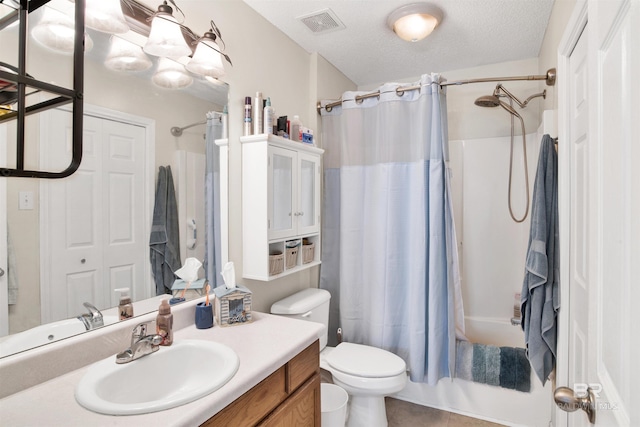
(389, 255)
(212, 251)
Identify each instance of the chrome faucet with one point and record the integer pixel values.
(141, 344)
(93, 319)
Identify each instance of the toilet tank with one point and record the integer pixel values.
(310, 304)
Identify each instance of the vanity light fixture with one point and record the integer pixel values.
(171, 75)
(55, 31)
(126, 56)
(414, 22)
(165, 38)
(207, 60)
(105, 16)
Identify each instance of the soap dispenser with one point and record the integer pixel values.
(164, 323)
(125, 308)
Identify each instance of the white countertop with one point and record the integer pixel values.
(262, 346)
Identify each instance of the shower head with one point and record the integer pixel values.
(488, 101)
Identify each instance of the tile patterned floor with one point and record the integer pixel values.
(406, 414)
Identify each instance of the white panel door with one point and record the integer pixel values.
(94, 219)
(580, 231)
(74, 220)
(614, 341)
(124, 242)
(604, 233)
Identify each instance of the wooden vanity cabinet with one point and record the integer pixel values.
(289, 397)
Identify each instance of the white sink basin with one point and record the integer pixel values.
(169, 377)
(45, 334)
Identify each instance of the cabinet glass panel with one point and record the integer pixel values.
(282, 192)
(307, 193)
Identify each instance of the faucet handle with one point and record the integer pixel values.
(94, 314)
(138, 332)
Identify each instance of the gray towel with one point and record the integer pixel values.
(165, 237)
(540, 299)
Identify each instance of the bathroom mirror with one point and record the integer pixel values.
(36, 211)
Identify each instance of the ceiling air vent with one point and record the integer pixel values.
(322, 21)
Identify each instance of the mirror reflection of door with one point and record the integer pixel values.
(4, 277)
(94, 224)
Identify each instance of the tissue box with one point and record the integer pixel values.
(233, 306)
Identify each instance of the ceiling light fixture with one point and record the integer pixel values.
(207, 60)
(415, 21)
(126, 56)
(56, 31)
(171, 75)
(105, 16)
(165, 37)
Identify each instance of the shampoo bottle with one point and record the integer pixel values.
(268, 117)
(296, 126)
(164, 323)
(125, 308)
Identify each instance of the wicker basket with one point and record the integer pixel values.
(276, 263)
(292, 257)
(308, 253)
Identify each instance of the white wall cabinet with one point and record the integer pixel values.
(280, 205)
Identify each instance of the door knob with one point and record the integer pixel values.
(1, 272)
(567, 400)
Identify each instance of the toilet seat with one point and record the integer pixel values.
(364, 361)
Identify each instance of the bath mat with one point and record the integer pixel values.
(506, 367)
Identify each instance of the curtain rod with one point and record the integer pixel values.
(176, 131)
(550, 79)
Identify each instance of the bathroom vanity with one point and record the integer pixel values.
(277, 382)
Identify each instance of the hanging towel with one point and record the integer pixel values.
(540, 300)
(165, 236)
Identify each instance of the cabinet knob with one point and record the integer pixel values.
(300, 213)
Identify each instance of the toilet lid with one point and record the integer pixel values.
(365, 361)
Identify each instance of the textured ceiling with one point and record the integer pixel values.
(472, 33)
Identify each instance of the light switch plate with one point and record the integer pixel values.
(25, 202)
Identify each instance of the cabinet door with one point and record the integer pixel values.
(301, 409)
(308, 210)
(281, 185)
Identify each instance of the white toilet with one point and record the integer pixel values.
(368, 374)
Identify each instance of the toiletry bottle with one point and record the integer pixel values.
(248, 129)
(125, 308)
(257, 114)
(225, 122)
(268, 117)
(296, 125)
(164, 323)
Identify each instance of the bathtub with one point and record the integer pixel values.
(482, 401)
